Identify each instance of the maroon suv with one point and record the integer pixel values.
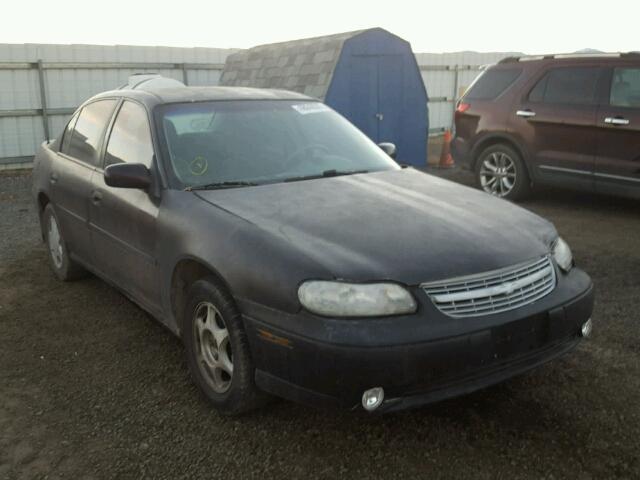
(566, 120)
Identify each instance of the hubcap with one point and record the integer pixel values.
(55, 243)
(213, 347)
(498, 174)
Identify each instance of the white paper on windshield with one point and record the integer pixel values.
(310, 107)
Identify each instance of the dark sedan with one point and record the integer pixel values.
(294, 257)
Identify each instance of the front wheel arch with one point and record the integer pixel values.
(185, 273)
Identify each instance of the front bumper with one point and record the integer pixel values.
(417, 359)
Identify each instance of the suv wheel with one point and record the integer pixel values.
(218, 351)
(500, 171)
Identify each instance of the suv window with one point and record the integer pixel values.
(492, 83)
(570, 85)
(130, 139)
(625, 87)
(88, 130)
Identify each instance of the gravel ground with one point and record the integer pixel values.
(91, 387)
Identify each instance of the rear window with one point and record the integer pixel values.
(492, 83)
(569, 85)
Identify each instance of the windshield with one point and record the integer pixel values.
(246, 142)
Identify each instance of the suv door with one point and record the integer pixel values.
(123, 220)
(617, 169)
(556, 117)
(72, 172)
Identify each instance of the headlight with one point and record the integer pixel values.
(562, 254)
(338, 299)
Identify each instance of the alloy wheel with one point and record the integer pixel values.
(498, 174)
(55, 242)
(213, 347)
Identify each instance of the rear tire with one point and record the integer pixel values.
(500, 171)
(217, 349)
(64, 267)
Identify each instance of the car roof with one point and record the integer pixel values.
(157, 96)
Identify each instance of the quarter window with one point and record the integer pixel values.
(492, 83)
(625, 88)
(89, 128)
(130, 139)
(66, 137)
(567, 86)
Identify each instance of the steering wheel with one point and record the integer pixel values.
(312, 148)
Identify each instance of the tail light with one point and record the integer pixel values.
(462, 107)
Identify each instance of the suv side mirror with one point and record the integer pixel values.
(127, 175)
(388, 148)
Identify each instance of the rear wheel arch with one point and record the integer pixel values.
(496, 140)
(43, 200)
(185, 273)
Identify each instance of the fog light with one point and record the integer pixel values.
(372, 398)
(586, 328)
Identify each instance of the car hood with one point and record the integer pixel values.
(401, 225)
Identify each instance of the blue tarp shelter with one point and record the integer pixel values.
(369, 76)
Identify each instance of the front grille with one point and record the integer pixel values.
(495, 291)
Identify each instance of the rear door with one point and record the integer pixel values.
(557, 120)
(72, 174)
(618, 161)
(123, 220)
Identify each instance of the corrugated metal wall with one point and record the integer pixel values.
(73, 73)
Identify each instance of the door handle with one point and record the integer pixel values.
(53, 178)
(616, 121)
(379, 116)
(96, 197)
(526, 113)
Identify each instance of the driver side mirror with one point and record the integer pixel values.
(127, 175)
(388, 148)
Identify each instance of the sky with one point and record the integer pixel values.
(539, 26)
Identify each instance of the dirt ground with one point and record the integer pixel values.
(91, 387)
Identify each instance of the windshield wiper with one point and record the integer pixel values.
(221, 185)
(325, 174)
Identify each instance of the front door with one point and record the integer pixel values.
(122, 220)
(557, 119)
(617, 168)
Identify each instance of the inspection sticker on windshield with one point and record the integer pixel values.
(310, 107)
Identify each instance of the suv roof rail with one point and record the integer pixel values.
(530, 58)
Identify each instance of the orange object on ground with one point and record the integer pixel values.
(446, 160)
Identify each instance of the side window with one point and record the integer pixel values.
(571, 85)
(85, 140)
(66, 136)
(625, 88)
(130, 139)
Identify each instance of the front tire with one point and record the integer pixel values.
(65, 268)
(217, 349)
(500, 171)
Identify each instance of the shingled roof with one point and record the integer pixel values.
(304, 66)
